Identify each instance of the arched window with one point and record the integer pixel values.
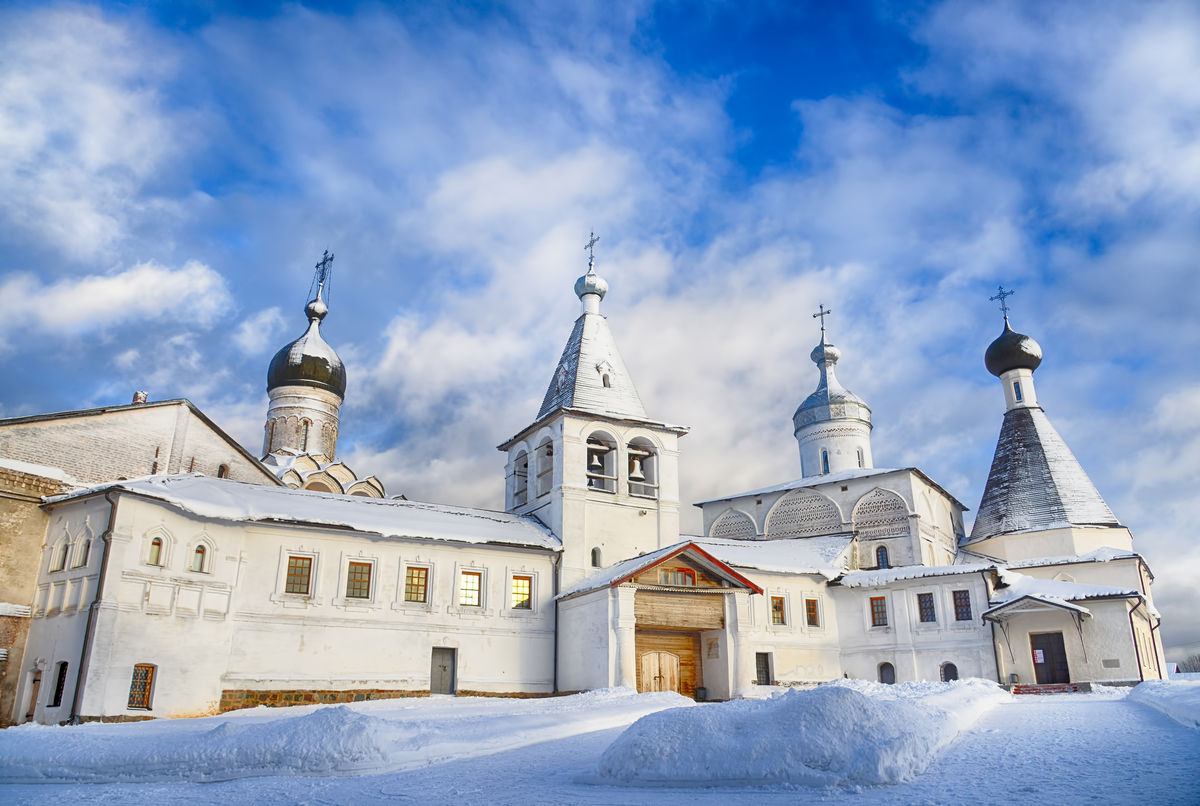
(860, 457)
(223, 471)
(643, 469)
(198, 557)
(58, 559)
(605, 381)
(881, 557)
(521, 479)
(601, 463)
(949, 672)
(305, 426)
(824, 461)
(81, 554)
(545, 467)
(156, 547)
(596, 561)
(887, 673)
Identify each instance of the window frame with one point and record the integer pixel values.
(926, 598)
(877, 610)
(463, 575)
(367, 594)
(882, 552)
(812, 611)
(680, 577)
(145, 701)
(962, 604)
(60, 686)
(777, 611)
(427, 584)
(513, 604)
(58, 556)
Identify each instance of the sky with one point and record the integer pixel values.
(170, 174)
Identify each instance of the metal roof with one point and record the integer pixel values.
(591, 357)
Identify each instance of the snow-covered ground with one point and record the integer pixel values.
(1104, 747)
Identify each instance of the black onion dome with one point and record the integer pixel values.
(1012, 350)
(309, 361)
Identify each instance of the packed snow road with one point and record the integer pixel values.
(1102, 748)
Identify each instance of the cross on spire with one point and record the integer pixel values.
(323, 267)
(1000, 296)
(821, 313)
(590, 246)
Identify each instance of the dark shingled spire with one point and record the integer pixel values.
(1036, 482)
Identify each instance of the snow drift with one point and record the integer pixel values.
(317, 740)
(1178, 699)
(844, 732)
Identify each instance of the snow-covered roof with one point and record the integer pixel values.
(799, 555)
(1036, 482)
(1017, 585)
(1100, 555)
(833, 478)
(223, 499)
(615, 574)
(45, 471)
(885, 576)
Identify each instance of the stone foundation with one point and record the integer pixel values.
(234, 699)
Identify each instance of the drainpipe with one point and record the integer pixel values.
(1137, 653)
(557, 561)
(1154, 646)
(88, 635)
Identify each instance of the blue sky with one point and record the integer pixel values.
(170, 174)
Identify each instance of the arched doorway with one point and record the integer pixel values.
(660, 671)
(887, 673)
(949, 672)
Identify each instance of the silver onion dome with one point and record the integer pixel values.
(591, 283)
(1012, 350)
(309, 360)
(831, 400)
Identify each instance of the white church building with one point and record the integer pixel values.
(180, 594)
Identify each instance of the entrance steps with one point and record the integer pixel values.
(1051, 688)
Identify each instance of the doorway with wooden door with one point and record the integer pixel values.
(1049, 658)
(442, 670)
(668, 660)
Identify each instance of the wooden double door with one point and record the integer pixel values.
(668, 660)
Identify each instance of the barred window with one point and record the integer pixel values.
(522, 593)
(926, 608)
(470, 588)
(811, 614)
(358, 581)
(878, 611)
(962, 605)
(299, 575)
(416, 582)
(141, 687)
(778, 615)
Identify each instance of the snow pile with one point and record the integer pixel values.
(319, 740)
(847, 732)
(1178, 699)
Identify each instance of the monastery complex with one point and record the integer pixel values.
(152, 567)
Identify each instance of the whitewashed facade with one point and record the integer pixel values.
(186, 595)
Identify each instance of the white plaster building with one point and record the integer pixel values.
(196, 594)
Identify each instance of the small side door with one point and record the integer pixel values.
(442, 671)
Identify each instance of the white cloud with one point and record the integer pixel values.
(192, 294)
(256, 334)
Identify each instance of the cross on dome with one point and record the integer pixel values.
(1001, 295)
(821, 313)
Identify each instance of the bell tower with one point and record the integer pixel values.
(592, 466)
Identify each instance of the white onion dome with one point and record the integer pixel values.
(1012, 350)
(831, 400)
(591, 283)
(309, 360)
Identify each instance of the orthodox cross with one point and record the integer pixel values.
(323, 267)
(591, 247)
(821, 313)
(1000, 296)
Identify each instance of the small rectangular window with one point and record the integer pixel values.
(926, 608)
(811, 614)
(878, 611)
(358, 581)
(678, 576)
(962, 605)
(60, 684)
(778, 615)
(470, 588)
(416, 582)
(299, 575)
(1017, 390)
(522, 593)
(141, 687)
